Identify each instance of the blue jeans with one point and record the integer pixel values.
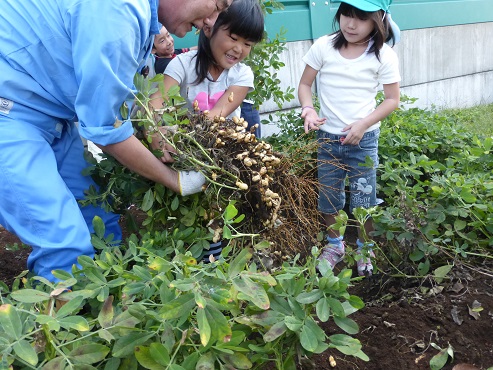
(355, 163)
(250, 114)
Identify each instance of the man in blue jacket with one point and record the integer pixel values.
(63, 61)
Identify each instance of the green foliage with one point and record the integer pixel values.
(478, 120)
(159, 309)
(435, 178)
(265, 62)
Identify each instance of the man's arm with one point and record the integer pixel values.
(135, 156)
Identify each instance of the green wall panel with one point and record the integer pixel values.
(307, 20)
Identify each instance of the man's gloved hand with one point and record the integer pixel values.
(190, 182)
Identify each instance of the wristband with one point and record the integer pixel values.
(307, 106)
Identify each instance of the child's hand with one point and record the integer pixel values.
(312, 120)
(355, 132)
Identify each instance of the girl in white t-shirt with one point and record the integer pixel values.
(212, 75)
(350, 65)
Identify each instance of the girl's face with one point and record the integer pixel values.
(356, 30)
(229, 49)
(164, 45)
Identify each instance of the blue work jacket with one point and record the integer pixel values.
(75, 60)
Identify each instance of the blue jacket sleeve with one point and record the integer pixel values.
(110, 39)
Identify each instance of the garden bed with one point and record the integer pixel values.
(401, 326)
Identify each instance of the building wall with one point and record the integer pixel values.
(445, 67)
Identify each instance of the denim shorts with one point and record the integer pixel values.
(352, 165)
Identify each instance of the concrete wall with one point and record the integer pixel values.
(445, 67)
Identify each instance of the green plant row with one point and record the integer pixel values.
(435, 178)
(155, 308)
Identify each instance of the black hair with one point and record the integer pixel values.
(244, 18)
(382, 32)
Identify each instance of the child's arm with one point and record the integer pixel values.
(356, 130)
(231, 99)
(308, 112)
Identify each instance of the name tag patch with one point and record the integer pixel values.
(6, 105)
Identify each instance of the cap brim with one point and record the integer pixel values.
(362, 5)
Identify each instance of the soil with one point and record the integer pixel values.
(402, 325)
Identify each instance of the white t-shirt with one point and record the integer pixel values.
(347, 87)
(207, 93)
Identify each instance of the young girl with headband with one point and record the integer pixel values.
(350, 65)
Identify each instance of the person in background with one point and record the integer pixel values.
(68, 61)
(162, 53)
(350, 65)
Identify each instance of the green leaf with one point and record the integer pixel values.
(10, 320)
(95, 276)
(221, 328)
(416, 255)
(227, 234)
(441, 272)
(309, 297)
(346, 324)
(238, 264)
(105, 317)
(143, 355)
(148, 200)
(236, 360)
(336, 307)
(293, 323)
(275, 332)
(69, 307)
(125, 345)
(252, 290)
(160, 353)
(74, 322)
(30, 296)
(345, 344)
(49, 321)
(206, 362)
(459, 225)
(113, 364)
(356, 302)
(467, 196)
(89, 353)
(264, 244)
(263, 277)
(424, 267)
(98, 225)
(204, 327)
(25, 351)
(439, 360)
(230, 212)
(176, 367)
(308, 339)
(178, 307)
(322, 309)
(58, 363)
(175, 203)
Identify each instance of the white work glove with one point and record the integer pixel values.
(190, 182)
